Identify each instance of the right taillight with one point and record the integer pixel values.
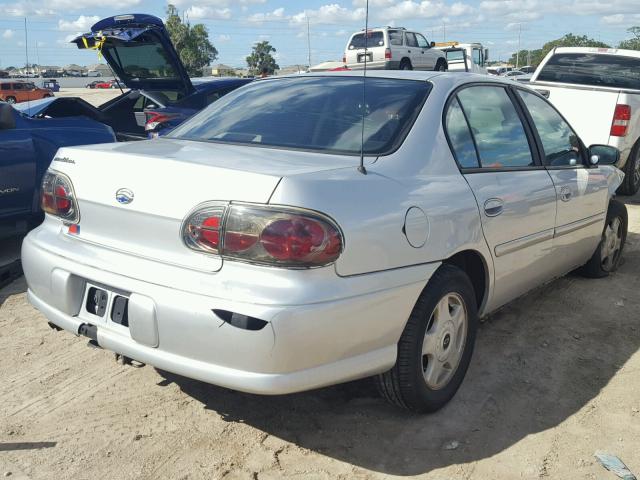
(621, 118)
(266, 235)
(387, 54)
(57, 197)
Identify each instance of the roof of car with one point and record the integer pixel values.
(204, 83)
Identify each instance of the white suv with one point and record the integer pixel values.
(393, 48)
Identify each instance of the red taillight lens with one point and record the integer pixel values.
(621, 118)
(154, 119)
(387, 54)
(344, 59)
(265, 235)
(57, 197)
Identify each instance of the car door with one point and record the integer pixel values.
(17, 167)
(582, 190)
(429, 57)
(413, 51)
(516, 198)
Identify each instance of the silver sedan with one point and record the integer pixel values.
(310, 230)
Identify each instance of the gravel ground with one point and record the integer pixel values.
(554, 378)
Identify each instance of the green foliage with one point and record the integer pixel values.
(191, 42)
(569, 40)
(261, 59)
(632, 43)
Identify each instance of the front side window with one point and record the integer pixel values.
(460, 137)
(560, 143)
(422, 42)
(6, 86)
(477, 56)
(312, 113)
(18, 86)
(496, 127)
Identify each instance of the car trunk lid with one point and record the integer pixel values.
(139, 50)
(165, 180)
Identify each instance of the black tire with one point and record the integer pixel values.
(440, 66)
(597, 266)
(405, 64)
(405, 384)
(631, 183)
(11, 100)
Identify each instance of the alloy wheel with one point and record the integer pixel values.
(444, 341)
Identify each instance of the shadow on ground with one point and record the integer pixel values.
(537, 362)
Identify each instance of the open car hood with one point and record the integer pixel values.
(139, 50)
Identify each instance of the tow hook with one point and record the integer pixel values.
(89, 331)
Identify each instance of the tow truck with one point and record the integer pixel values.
(465, 57)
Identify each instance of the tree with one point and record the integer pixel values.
(632, 43)
(191, 42)
(261, 59)
(569, 40)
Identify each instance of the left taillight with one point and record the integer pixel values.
(155, 119)
(284, 237)
(57, 197)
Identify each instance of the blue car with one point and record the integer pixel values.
(139, 50)
(27, 146)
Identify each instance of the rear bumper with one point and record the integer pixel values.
(386, 65)
(303, 345)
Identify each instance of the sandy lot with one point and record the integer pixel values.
(555, 377)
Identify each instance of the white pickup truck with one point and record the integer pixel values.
(598, 91)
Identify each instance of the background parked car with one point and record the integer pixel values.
(16, 92)
(160, 120)
(51, 84)
(598, 91)
(93, 84)
(27, 146)
(393, 48)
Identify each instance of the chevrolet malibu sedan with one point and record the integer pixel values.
(306, 231)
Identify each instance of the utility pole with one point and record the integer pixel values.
(444, 32)
(26, 45)
(518, 52)
(309, 43)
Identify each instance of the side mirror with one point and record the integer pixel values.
(7, 118)
(432, 44)
(603, 155)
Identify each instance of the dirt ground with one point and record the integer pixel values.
(554, 378)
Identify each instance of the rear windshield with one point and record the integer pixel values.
(141, 58)
(593, 69)
(313, 113)
(373, 39)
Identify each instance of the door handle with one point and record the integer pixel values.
(409, 51)
(493, 207)
(565, 194)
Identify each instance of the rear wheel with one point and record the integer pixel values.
(435, 348)
(631, 183)
(440, 66)
(405, 64)
(606, 258)
(11, 100)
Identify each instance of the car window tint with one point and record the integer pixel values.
(411, 40)
(460, 137)
(373, 39)
(560, 142)
(422, 42)
(496, 126)
(312, 113)
(395, 37)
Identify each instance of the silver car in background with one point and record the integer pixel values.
(250, 249)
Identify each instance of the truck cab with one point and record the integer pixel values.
(465, 57)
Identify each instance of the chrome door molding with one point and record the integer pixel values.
(573, 226)
(524, 242)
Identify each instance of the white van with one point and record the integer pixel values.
(392, 48)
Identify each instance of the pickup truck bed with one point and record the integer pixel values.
(598, 91)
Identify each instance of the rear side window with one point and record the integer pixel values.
(411, 39)
(614, 71)
(373, 39)
(6, 86)
(312, 113)
(460, 137)
(496, 127)
(560, 143)
(395, 37)
(18, 86)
